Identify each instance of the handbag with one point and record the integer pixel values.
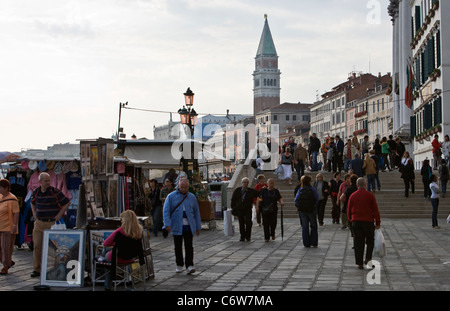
(59, 225)
(267, 209)
(165, 232)
(279, 171)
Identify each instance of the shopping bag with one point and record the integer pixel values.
(228, 226)
(380, 247)
(58, 225)
(448, 219)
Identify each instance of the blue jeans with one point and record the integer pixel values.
(310, 235)
(371, 182)
(435, 205)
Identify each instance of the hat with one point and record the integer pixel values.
(120, 167)
(24, 165)
(66, 167)
(73, 166)
(58, 168)
(32, 165)
(42, 167)
(50, 165)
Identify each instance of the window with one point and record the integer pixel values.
(294, 118)
(287, 117)
(275, 117)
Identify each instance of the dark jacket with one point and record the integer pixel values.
(239, 204)
(325, 186)
(314, 145)
(408, 172)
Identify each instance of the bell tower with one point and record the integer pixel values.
(266, 76)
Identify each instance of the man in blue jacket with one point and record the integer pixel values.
(182, 219)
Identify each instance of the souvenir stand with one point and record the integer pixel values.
(23, 174)
(110, 185)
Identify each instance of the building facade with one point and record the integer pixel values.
(266, 76)
(430, 75)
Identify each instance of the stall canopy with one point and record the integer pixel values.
(6, 156)
(161, 154)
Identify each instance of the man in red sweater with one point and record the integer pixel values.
(362, 212)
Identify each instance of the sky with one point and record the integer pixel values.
(66, 65)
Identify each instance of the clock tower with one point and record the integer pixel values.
(266, 77)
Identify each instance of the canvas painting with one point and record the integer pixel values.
(63, 258)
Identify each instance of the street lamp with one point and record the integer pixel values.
(188, 116)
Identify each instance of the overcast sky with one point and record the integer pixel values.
(66, 65)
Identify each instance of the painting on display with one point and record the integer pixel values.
(63, 258)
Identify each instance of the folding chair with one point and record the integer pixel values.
(119, 272)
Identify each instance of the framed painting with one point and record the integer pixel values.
(63, 253)
(96, 238)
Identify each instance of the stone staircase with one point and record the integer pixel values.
(391, 200)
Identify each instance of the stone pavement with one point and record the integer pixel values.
(418, 259)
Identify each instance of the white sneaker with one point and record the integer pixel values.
(179, 269)
(190, 270)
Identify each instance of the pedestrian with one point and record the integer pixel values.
(286, 163)
(181, 216)
(9, 221)
(408, 176)
(392, 151)
(437, 152)
(344, 199)
(385, 154)
(314, 147)
(404, 160)
(443, 176)
(344, 185)
(370, 170)
(259, 165)
(426, 173)
(268, 205)
(339, 154)
(129, 233)
(306, 202)
(376, 158)
(324, 151)
(300, 159)
(365, 145)
(331, 155)
(446, 149)
(357, 165)
(400, 149)
(323, 191)
(335, 183)
(156, 206)
(356, 143)
(48, 204)
(258, 187)
(349, 154)
(377, 150)
(241, 205)
(362, 211)
(166, 190)
(434, 188)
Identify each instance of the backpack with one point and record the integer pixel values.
(254, 165)
(306, 200)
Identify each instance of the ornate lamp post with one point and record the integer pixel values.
(188, 116)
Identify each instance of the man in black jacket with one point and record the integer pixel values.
(241, 205)
(314, 147)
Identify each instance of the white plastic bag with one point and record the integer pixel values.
(279, 171)
(228, 226)
(448, 219)
(380, 247)
(59, 225)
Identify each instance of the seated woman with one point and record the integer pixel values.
(127, 242)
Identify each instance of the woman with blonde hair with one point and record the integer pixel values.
(128, 238)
